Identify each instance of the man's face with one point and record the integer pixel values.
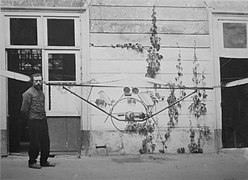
(37, 82)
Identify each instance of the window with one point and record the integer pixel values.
(26, 61)
(235, 35)
(48, 43)
(23, 31)
(232, 36)
(61, 67)
(61, 32)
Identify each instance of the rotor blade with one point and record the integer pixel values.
(152, 80)
(109, 79)
(14, 75)
(127, 80)
(237, 82)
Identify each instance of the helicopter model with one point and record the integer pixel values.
(134, 106)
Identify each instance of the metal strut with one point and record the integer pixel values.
(148, 117)
(170, 105)
(90, 103)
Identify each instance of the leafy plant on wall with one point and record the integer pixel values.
(198, 108)
(153, 67)
(173, 111)
(153, 57)
(147, 145)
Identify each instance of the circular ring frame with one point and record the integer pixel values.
(121, 100)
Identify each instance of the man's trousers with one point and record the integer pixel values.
(39, 140)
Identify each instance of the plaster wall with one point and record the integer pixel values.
(180, 24)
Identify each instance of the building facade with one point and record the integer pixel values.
(75, 41)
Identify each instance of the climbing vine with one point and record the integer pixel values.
(173, 111)
(136, 47)
(193, 146)
(147, 145)
(153, 57)
(140, 128)
(153, 60)
(198, 107)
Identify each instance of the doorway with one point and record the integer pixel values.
(234, 103)
(24, 61)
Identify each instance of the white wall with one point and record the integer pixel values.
(179, 23)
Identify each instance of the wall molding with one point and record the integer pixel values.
(43, 9)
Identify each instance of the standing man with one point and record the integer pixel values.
(33, 107)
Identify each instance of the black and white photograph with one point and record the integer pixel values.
(124, 89)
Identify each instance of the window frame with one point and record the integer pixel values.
(77, 65)
(80, 18)
(77, 31)
(42, 28)
(39, 31)
(232, 52)
(45, 68)
(218, 50)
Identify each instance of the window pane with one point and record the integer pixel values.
(62, 67)
(23, 31)
(235, 35)
(60, 32)
(27, 61)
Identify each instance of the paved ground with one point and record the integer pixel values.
(227, 165)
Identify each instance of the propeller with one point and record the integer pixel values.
(14, 75)
(237, 82)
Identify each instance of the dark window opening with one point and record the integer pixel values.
(23, 31)
(234, 103)
(25, 61)
(61, 32)
(62, 67)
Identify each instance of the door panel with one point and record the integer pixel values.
(64, 133)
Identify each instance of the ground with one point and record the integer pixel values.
(226, 165)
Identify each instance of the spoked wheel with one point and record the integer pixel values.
(131, 112)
